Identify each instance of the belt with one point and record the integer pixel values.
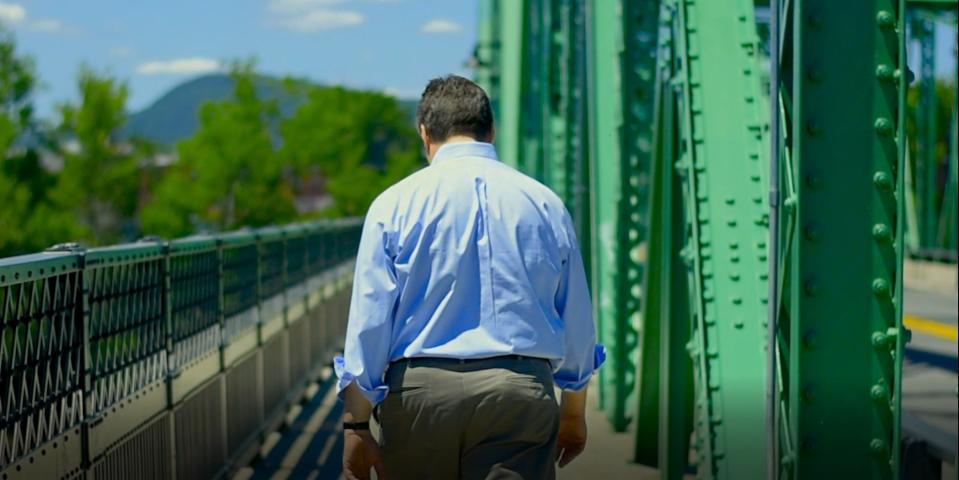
(419, 361)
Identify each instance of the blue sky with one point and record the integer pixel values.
(389, 45)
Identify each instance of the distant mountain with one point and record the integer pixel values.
(175, 115)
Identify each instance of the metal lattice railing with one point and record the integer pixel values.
(116, 357)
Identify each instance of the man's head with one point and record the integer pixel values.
(453, 109)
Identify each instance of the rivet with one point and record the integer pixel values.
(737, 300)
(730, 200)
(883, 126)
(814, 20)
(813, 181)
(761, 244)
(734, 258)
(814, 74)
(738, 323)
(880, 232)
(811, 233)
(734, 276)
(879, 339)
(878, 392)
(813, 128)
(877, 446)
(880, 286)
(811, 287)
(807, 394)
(731, 222)
(884, 72)
(810, 340)
(882, 180)
(885, 19)
(733, 245)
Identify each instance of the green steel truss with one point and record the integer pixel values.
(841, 335)
(681, 207)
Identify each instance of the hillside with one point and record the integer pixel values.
(175, 115)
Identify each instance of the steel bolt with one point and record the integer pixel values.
(813, 181)
(878, 392)
(880, 232)
(885, 19)
(810, 340)
(880, 286)
(811, 287)
(813, 128)
(879, 339)
(883, 126)
(811, 233)
(882, 180)
(877, 446)
(814, 74)
(884, 72)
(814, 20)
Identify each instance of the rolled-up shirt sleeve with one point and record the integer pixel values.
(369, 329)
(583, 355)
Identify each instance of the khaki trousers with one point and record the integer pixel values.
(485, 419)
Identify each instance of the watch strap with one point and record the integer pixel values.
(356, 425)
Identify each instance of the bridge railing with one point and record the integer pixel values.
(165, 359)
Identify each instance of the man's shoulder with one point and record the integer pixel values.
(387, 201)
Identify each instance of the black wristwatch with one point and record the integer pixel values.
(356, 425)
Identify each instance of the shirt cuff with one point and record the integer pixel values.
(599, 358)
(375, 395)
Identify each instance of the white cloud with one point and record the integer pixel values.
(295, 6)
(316, 20)
(16, 15)
(179, 66)
(12, 12)
(441, 26)
(47, 25)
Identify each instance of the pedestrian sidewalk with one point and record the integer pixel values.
(311, 445)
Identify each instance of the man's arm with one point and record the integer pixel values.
(582, 355)
(367, 346)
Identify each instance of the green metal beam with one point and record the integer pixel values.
(842, 306)
(724, 118)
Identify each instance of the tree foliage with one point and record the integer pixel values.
(29, 219)
(229, 174)
(360, 142)
(252, 161)
(100, 179)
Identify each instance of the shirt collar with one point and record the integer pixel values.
(450, 151)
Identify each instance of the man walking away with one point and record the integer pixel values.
(469, 303)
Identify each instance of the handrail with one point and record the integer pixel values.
(123, 358)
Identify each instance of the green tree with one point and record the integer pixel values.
(360, 142)
(29, 221)
(229, 174)
(100, 181)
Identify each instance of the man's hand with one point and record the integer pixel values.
(572, 438)
(360, 453)
(572, 426)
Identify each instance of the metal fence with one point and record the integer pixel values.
(165, 359)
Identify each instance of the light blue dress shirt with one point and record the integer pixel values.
(468, 258)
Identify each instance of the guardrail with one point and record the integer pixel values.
(165, 359)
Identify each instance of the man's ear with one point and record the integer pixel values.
(423, 135)
(492, 133)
